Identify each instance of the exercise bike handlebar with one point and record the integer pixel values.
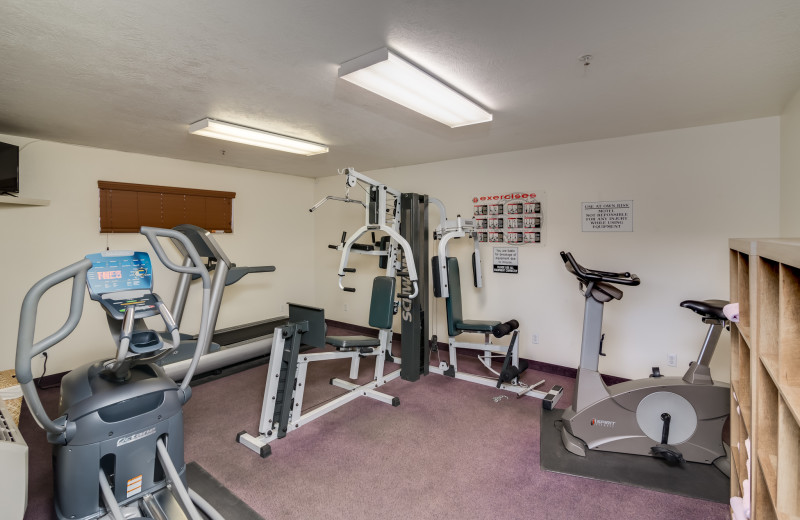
(591, 275)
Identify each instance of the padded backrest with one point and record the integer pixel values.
(381, 307)
(454, 313)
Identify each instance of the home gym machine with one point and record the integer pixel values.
(447, 284)
(677, 419)
(118, 439)
(403, 252)
(411, 209)
(282, 406)
(231, 345)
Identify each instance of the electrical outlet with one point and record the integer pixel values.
(535, 339)
(672, 360)
(345, 307)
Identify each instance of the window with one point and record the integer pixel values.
(125, 207)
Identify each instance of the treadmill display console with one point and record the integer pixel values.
(126, 272)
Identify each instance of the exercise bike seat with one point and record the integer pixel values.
(707, 308)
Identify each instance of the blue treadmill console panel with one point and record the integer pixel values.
(119, 279)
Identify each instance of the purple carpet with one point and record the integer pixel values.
(450, 450)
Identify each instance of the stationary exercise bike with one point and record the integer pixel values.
(677, 419)
(118, 439)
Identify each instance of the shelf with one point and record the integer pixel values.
(767, 309)
(767, 428)
(765, 373)
(743, 280)
(770, 362)
(783, 250)
(744, 332)
(762, 507)
(739, 454)
(20, 201)
(738, 472)
(735, 377)
(769, 469)
(789, 467)
(745, 390)
(791, 397)
(789, 326)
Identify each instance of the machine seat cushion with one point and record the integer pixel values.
(476, 325)
(707, 308)
(456, 324)
(352, 341)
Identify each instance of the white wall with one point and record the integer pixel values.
(790, 168)
(271, 226)
(692, 190)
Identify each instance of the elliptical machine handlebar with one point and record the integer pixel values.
(591, 275)
(198, 269)
(27, 350)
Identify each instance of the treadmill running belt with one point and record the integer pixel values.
(233, 335)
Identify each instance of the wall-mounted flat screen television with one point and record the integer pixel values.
(9, 168)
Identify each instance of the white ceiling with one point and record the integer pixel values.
(132, 75)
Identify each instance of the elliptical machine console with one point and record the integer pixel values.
(118, 439)
(122, 282)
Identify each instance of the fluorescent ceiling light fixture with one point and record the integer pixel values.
(387, 74)
(242, 134)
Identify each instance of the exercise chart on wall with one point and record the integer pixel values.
(510, 218)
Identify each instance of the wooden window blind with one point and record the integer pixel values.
(125, 207)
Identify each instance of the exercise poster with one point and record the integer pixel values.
(607, 216)
(508, 218)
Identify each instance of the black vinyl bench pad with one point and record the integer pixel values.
(352, 341)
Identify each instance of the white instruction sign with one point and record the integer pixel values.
(607, 215)
(505, 259)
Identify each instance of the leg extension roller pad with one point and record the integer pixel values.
(551, 399)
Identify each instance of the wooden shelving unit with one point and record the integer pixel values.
(765, 375)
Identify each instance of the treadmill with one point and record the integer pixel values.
(230, 346)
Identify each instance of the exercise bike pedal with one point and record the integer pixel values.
(665, 451)
(670, 454)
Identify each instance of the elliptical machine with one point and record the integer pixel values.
(118, 440)
(677, 419)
